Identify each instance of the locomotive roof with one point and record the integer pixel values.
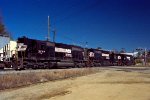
(72, 47)
(76, 46)
(129, 54)
(40, 41)
(61, 45)
(102, 50)
(94, 49)
(33, 39)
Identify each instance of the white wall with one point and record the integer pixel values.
(10, 49)
(3, 41)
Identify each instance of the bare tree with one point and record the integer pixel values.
(2, 28)
(123, 50)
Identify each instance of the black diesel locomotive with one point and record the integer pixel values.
(37, 54)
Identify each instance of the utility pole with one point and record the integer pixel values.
(9, 47)
(145, 56)
(86, 44)
(144, 50)
(48, 35)
(54, 35)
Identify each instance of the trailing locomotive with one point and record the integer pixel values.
(31, 53)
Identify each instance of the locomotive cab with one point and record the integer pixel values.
(35, 53)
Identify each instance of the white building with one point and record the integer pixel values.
(7, 48)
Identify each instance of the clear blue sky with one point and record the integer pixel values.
(110, 24)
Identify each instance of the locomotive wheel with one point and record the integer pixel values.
(50, 65)
(2, 66)
(14, 66)
(34, 66)
(75, 66)
(80, 66)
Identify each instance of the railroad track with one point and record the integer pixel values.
(10, 71)
(117, 68)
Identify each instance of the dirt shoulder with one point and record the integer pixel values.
(108, 84)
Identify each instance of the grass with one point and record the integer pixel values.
(14, 80)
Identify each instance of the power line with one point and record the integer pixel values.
(48, 35)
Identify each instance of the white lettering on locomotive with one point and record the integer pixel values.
(128, 58)
(41, 51)
(91, 54)
(68, 55)
(21, 47)
(63, 50)
(105, 55)
(119, 57)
